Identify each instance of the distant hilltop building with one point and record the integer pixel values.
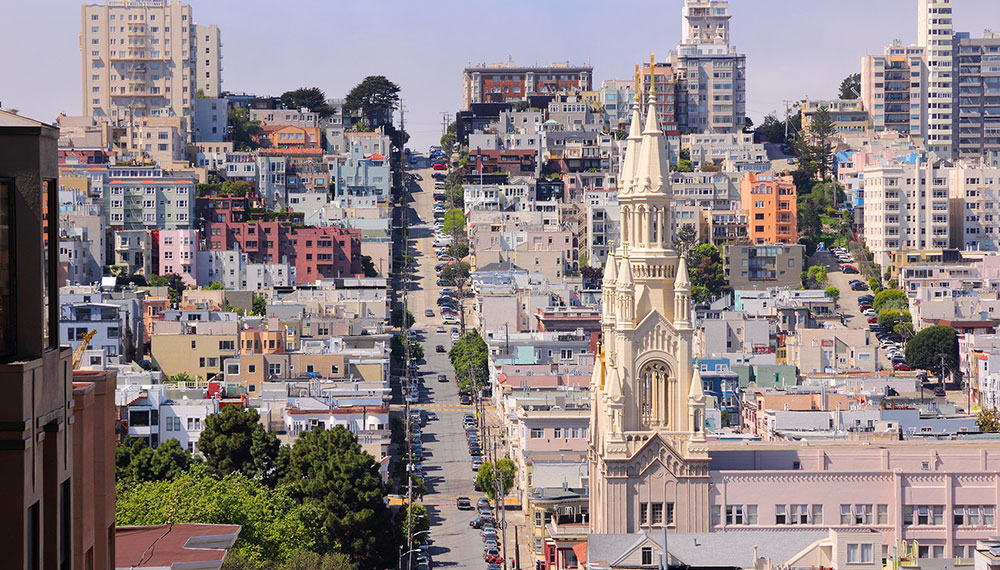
(500, 83)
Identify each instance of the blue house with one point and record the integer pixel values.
(719, 381)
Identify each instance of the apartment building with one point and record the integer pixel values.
(134, 252)
(207, 50)
(77, 319)
(906, 207)
(362, 172)
(500, 83)
(665, 87)
(615, 97)
(975, 206)
(196, 348)
(976, 112)
(894, 89)
(211, 122)
(719, 149)
(770, 203)
(140, 59)
(603, 224)
(848, 115)
(935, 35)
(763, 266)
(711, 75)
(143, 197)
(178, 254)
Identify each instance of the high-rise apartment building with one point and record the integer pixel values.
(711, 76)
(208, 61)
(934, 33)
(665, 87)
(770, 203)
(894, 89)
(977, 95)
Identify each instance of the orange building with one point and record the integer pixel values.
(289, 137)
(769, 202)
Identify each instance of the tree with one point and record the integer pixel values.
(242, 131)
(328, 470)
(235, 440)
(454, 223)
(850, 87)
(397, 348)
(215, 286)
(448, 141)
(311, 98)
(469, 357)
(685, 239)
(487, 478)
(889, 318)
(273, 525)
(771, 129)
(259, 305)
(815, 276)
(368, 266)
(456, 274)
(306, 560)
(592, 277)
(706, 272)
(815, 147)
(935, 348)
(416, 514)
(890, 299)
(810, 224)
(375, 98)
(397, 318)
(458, 251)
(988, 420)
(833, 292)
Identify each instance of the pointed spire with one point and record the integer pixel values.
(683, 280)
(610, 269)
(627, 173)
(697, 391)
(653, 171)
(625, 271)
(613, 382)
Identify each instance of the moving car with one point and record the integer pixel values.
(442, 378)
(432, 417)
(478, 522)
(939, 391)
(849, 269)
(464, 503)
(439, 329)
(439, 348)
(428, 312)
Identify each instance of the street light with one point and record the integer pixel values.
(412, 550)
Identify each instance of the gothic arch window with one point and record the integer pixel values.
(653, 393)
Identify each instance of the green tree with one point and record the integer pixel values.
(771, 129)
(448, 141)
(273, 525)
(833, 292)
(311, 98)
(487, 478)
(457, 274)
(934, 348)
(890, 299)
(850, 87)
(706, 272)
(682, 166)
(215, 286)
(259, 305)
(368, 266)
(815, 148)
(469, 357)
(904, 330)
(810, 223)
(235, 440)
(397, 348)
(454, 224)
(242, 131)
(328, 470)
(397, 318)
(374, 98)
(417, 515)
(458, 251)
(306, 560)
(889, 318)
(988, 420)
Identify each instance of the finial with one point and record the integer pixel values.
(652, 73)
(637, 88)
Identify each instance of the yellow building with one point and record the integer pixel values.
(198, 349)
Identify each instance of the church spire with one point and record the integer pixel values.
(682, 296)
(627, 174)
(653, 171)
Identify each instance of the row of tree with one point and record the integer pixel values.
(469, 356)
(321, 498)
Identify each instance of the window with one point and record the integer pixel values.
(643, 513)
(658, 513)
(716, 515)
(853, 553)
(751, 513)
(537, 433)
(669, 520)
(274, 368)
(734, 514)
(780, 514)
(845, 514)
(647, 555)
(882, 513)
(557, 433)
(538, 518)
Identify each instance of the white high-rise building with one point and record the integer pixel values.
(208, 61)
(935, 34)
(710, 75)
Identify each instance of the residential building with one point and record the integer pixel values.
(603, 225)
(935, 35)
(711, 75)
(138, 197)
(772, 211)
(665, 85)
(207, 49)
(361, 173)
(155, 413)
(847, 115)
(161, 546)
(135, 252)
(615, 97)
(718, 149)
(179, 254)
(900, 90)
(138, 60)
(501, 83)
(211, 119)
(709, 202)
(906, 208)
(763, 266)
(197, 348)
(976, 75)
(974, 204)
(894, 89)
(78, 319)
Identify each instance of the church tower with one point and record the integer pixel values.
(648, 462)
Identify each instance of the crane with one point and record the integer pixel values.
(84, 343)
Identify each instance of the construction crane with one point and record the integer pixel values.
(84, 343)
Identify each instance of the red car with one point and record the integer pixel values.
(849, 269)
(439, 166)
(872, 319)
(901, 366)
(863, 308)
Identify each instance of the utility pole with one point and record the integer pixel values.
(788, 107)
(406, 387)
(445, 121)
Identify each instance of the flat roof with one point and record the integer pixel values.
(162, 546)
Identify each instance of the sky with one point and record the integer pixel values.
(794, 48)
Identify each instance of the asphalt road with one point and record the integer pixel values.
(447, 465)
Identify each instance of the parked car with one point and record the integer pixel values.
(873, 319)
(439, 176)
(859, 286)
(901, 366)
(478, 522)
(866, 299)
(464, 503)
(439, 166)
(849, 269)
(939, 391)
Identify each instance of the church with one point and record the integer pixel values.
(652, 467)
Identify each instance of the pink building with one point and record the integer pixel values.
(755, 406)
(179, 254)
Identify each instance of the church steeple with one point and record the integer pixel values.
(682, 296)
(626, 176)
(626, 292)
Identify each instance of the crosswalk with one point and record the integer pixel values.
(430, 407)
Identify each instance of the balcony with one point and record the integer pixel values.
(569, 527)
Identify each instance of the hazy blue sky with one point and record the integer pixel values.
(794, 48)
